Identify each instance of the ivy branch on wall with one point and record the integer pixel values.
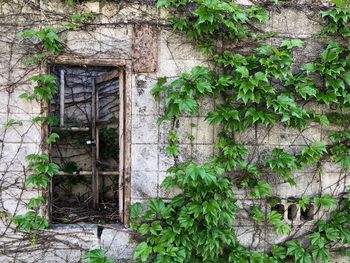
(40, 167)
(260, 88)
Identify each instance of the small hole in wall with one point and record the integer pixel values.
(308, 213)
(279, 209)
(292, 212)
(99, 231)
(177, 124)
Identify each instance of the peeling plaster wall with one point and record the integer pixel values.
(111, 36)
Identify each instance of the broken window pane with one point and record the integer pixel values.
(87, 107)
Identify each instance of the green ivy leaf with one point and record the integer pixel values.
(289, 44)
(96, 256)
(316, 239)
(283, 229)
(243, 70)
(262, 189)
(332, 234)
(274, 217)
(325, 201)
(258, 214)
(320, 254)
(33, 202)
(144, 228)
(52, 138)
(279, 252)
(340, 3)
(135, 210)
(306, 91)
(163, 3)
(204, 86)
(304, 202)
(142, 251)
(309, 68)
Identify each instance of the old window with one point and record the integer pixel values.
(90, 123)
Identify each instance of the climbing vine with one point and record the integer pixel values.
(40, 167)
(261, 88)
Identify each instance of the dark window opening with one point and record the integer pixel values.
(308, 213)
(279, 209)
(292, 212)
(86, 108)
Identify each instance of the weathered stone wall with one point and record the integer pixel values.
(111, 35)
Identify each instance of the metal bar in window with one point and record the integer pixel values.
(89, 173)
(62, 87)
(121, 145)
(97, 140)
(93, 146)
(73, 129)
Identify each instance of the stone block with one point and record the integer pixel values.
(83, 43)
(334, 184)
(115, 42)
(92, 7)
(315, 107)
(114, 13)
(338, 258)
(307, 184)
(14, 155)
(252, 237)
(29, 12)
(175, 46)
(308, 53)
(240, 193)
(141, 201)
(109, 11)
(172, 68)
(12, 103)
(243, 217)
(14, 75)
(331, 167)
(166, 193)
(257, 153)
(253, 136)
(165, 162)
(206, 105)
(118, 243)
(202, 132)
(324, 213)
(144, 129)
(244, 2)
(294, 23)
(327, 131)
(144, 185)
(144, 157)
(15, 198)
(280, 135)
(24, 131)
(143, 102)
(183, 128)
(273, 238)
(202, 153)
(57, 6)
(217, 131)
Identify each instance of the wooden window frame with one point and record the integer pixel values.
(125, 83)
